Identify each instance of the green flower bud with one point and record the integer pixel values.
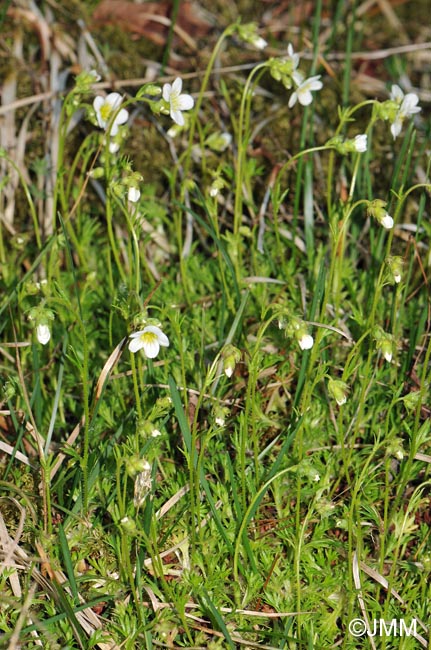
(338, 390)
(136, 464)
(97, 172)
(248, 33)
(152, 90)
(218, 141)
(231, 356)
(395, 265)
(384, 342)
(128, 525)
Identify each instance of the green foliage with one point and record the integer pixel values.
(260, 477)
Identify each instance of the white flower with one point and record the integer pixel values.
(149, 339)
(397, 278)
(259, 43)
(387, 222)
(113, 147)
(43, 334)
(105, 108)
(316, 477)
(155, 433)
(388, 356)
(220, 421)
(306, 342)
(133, 194)
(178, 102)
(407, 107)
(360, 143)
(303, 92)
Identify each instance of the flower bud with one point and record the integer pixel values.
(298, 328)
(133, 194)
(43, 333)
(152, 90)
(384, 342)
(395, 265)
(248, 33)
(230, 355)
(128, 525)
(97, 172)
(411, 400)
(218, 142)
(395, 448)
(377, 210)
(136, 464)
(220, 415)
(338, 390)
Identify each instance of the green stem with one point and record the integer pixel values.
(244, 112)
(136, 386)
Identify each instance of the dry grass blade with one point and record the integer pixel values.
(13, 556)
(357, 581)
(372, 573)
(11, 451)
(10, 562)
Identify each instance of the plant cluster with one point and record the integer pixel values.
(255, 471)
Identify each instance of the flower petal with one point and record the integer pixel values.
(177, 116)
(177, 85)
(151, 348)
(166, 92)
(293, 99)
(43, 334)
(98, 102)
(122, 117)
(114, 99)
(136, 343)
(133, 194)
(185, 102)
(396, 93)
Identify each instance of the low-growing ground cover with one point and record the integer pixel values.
(215, 325)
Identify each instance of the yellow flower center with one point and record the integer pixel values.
(105, 111)
(149, 337)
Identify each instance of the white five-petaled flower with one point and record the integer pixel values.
(43, 334)
(106, 108)
(302, 94)
(133, 194)
(360, 142)
(149, 339)
(407, 106)
(306, 342)
(177, 101)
